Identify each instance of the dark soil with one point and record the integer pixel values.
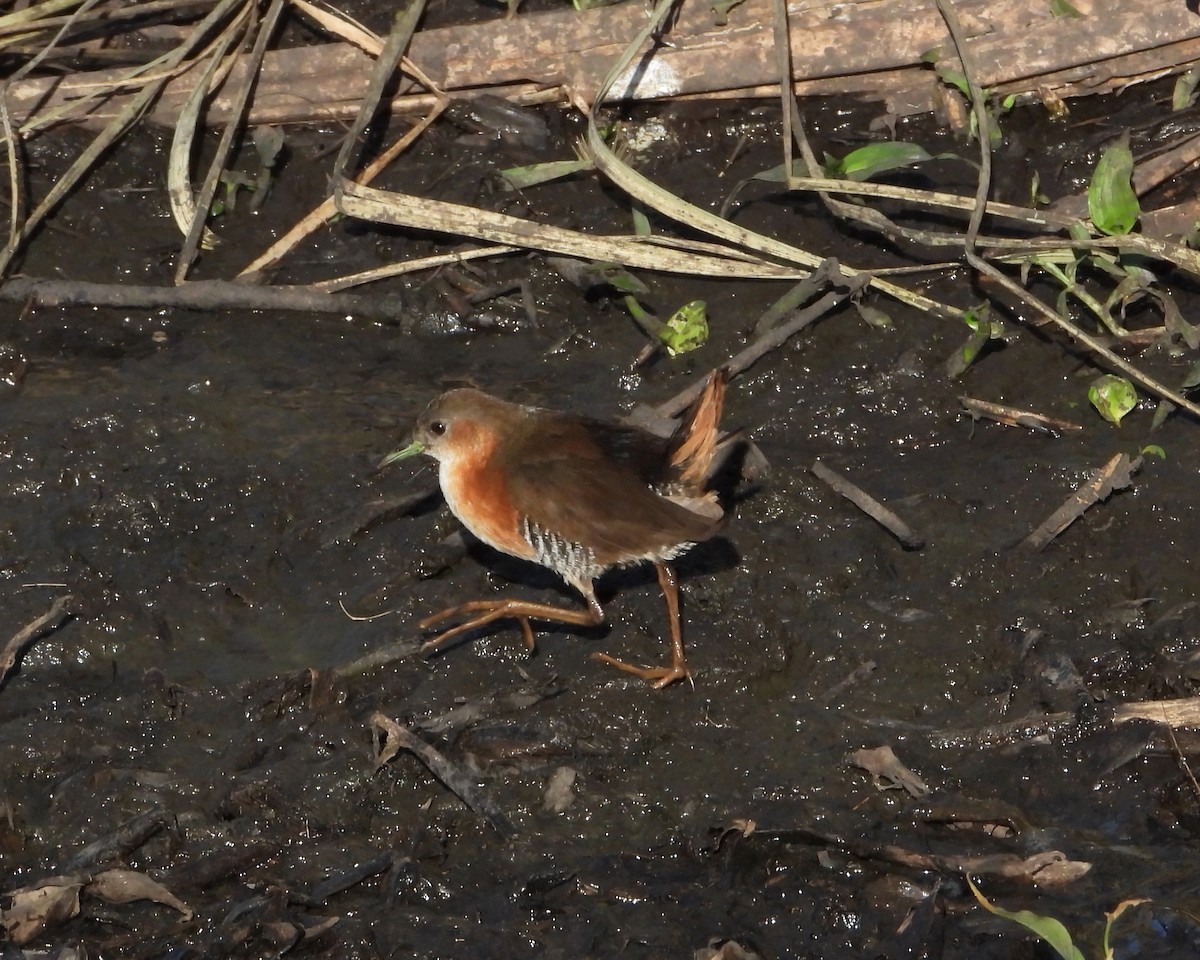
(204, 486)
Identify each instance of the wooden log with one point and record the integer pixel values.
(867, 48)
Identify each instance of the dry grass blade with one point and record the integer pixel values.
(179, 186)
(932, 198)
(112, 132)
(240, 99)
(356, 199)
(14, 174)
(440, 216)
(385, 68)
(342, 25)
(412, 266)
(30, 16)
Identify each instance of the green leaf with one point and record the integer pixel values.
(1112, 396)
(876, 158)
(1184, 94)
(641, 222)
(611, 275)
(873, 316)
(1079, 232)
(1151, 450)
(722, 7)
(955, 78)
(983, 329)
(1049, 929)
(1061, 8)
(686, 329)
(1036, 197)
(518, 178)
(1112, 204)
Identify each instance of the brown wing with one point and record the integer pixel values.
(567, 486)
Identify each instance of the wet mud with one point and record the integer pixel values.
(203, 486)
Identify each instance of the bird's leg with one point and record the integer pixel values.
(660, 677)
(487, 611)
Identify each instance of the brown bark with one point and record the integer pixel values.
(871, 49)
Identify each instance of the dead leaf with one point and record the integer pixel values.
(34, 909)
(725, 950)
(883, 764)
(125, 886)
(560, 791)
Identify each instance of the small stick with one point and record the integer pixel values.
(869, 505)
(1117, 474)
(52, 619)
(446, 770)
(382, 656)
(199, 295)
(858, 674)
(1015, 417)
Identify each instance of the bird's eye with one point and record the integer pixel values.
(437, 428)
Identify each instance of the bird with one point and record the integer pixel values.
(576, 495)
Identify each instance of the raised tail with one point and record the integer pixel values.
(695, 439)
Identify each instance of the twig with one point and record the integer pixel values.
(1015, 417)
(458, 780)
(1043, 868)
(199, 295)
(869, 505)
(240, 98)
(378, 657)
(1117, 474)
(52, 619)
(120, 842)
(857, 675)
(1180, 713)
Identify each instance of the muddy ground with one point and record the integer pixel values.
(203, 485)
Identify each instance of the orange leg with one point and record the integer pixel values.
(487, 611)
(660, 677)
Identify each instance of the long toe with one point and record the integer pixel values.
(657, 677)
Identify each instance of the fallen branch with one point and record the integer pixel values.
(1045, 868)
(869, 505)
(52, 619)
(839, 47)
(199, 295)
(1015, 417)
(1117, 474)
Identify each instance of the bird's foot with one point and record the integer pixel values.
(657, 677)
(486, 611)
